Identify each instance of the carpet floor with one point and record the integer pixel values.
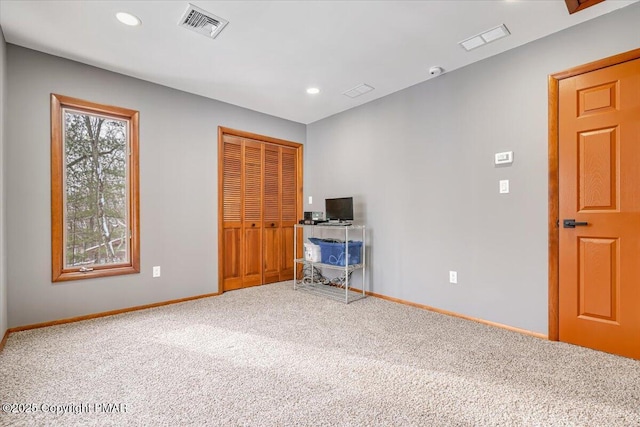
(272, 356)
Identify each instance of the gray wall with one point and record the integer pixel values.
(3, 228)
(419, 164)
(178, 187)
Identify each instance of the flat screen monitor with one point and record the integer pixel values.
(339, 209)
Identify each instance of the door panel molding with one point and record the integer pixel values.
(554, 180)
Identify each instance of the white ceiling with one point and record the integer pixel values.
(271, 51)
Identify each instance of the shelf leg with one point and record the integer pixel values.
(346, 265)
(295, 256)
(364, 259)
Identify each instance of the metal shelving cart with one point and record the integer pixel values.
(342, 291)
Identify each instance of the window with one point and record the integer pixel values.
(94, 190)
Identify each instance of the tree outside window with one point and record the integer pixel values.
(94, 155)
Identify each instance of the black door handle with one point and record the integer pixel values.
(571, 223)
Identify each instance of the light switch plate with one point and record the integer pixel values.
(505, 157)
(504, 186)
(156, 271)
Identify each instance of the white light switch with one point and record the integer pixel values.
(504, 186)
(504, 158)
(156, 271)
(310, 200)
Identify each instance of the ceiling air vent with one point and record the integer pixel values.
(486, 37)
(202, 21)
(361, 89)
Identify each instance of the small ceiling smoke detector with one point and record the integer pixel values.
(358, 90)
(435, 71)
(485, 37)
(128, 19)
(202, 22)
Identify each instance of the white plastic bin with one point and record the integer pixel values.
(312, 252)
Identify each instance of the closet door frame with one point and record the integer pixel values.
(222, 131)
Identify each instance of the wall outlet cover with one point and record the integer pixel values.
(504, 186)
(453, 277)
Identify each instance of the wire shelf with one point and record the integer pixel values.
(313, 279)
(331, 291)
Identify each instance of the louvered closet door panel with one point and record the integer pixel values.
(252, 181)
(232, 177)
(289, 192)
(271, 213)
(252, 212)
(271, 184)
(289, 185)
(232, 213)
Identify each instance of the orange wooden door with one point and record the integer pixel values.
(271, 213)
(259, 202)
(599, 184)
(232, 241)
(252, 213)
(290, 215)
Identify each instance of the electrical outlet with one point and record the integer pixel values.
(156, 271)
(310, 200)
(504, 186)
(453, 277)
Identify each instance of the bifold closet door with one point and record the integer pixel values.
(252, 213)
(272, 209)
(280, 213)
(289, 216)
(232, 240)
(242, 213)
(259, 210)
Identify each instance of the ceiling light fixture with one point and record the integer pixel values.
(128, 19)
(313, 90)
(485, 37)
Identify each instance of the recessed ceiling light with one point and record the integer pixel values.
(313, 90)
(128, 19)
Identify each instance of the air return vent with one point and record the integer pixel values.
(486, 37)
(361, 89)
(202, 21)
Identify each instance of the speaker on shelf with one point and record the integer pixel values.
(312, 218)
(315, 216)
